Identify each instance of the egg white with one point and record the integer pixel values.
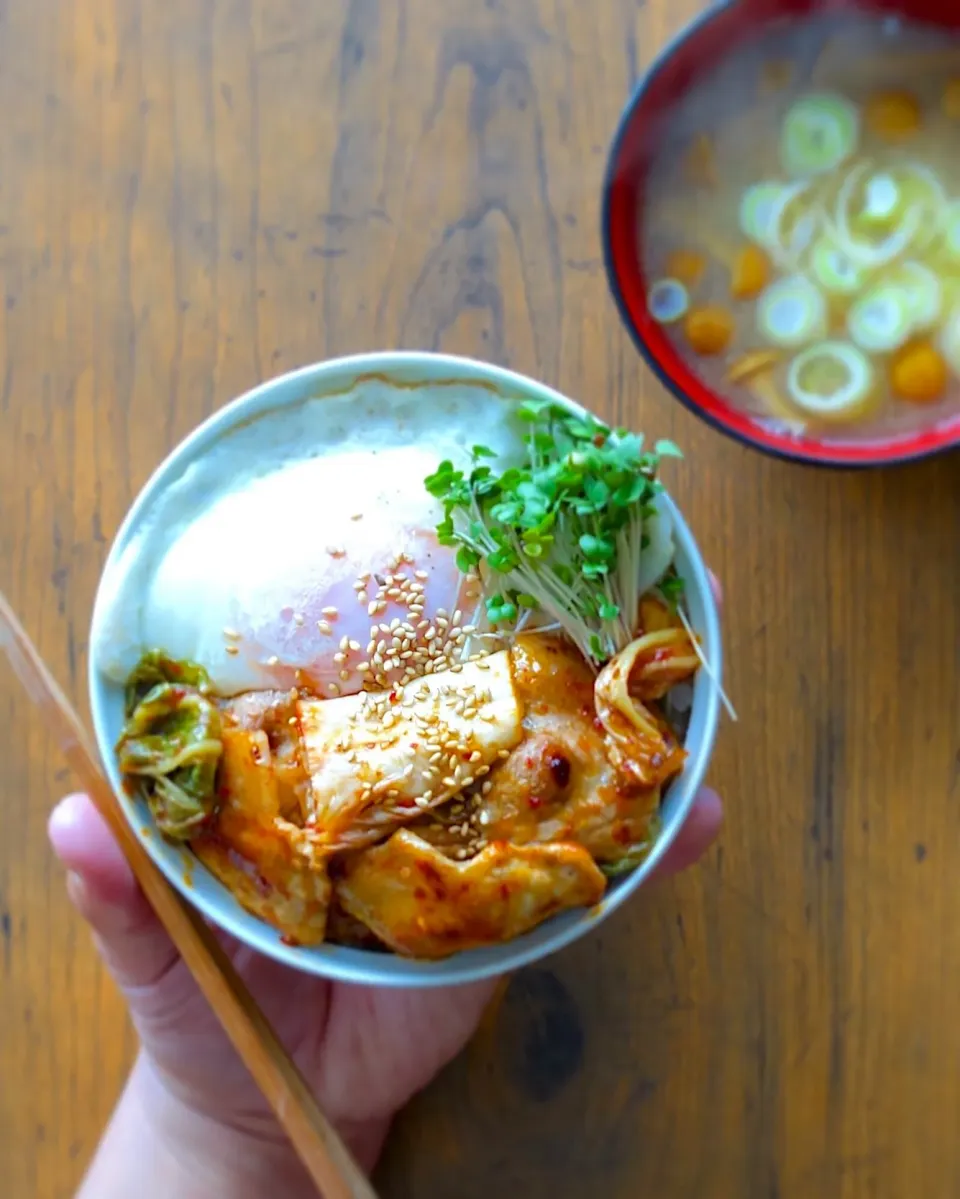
(260, 563)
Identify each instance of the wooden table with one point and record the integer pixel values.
(195, 196)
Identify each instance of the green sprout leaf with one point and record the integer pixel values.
(564, 531)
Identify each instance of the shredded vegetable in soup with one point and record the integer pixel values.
(824, 228)
(487, 769)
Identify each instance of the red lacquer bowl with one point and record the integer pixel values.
(721, 30)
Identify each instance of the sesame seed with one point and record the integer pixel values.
(232, 634)
(354, 646)
(273, 660)
(362, 667)
(362, 597)
(231, 650)
(344, 674)
(486, 789)
(298, 619)
(338, 658)
(357, 516)
(373, 608)
(324, 627)
(421, 574)
(333, 688)
(336, 551)
(330, 612)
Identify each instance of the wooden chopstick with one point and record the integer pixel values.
(321, 1150)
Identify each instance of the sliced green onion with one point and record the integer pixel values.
(950, 222)
(802, 234)
(668, 301)
(758, 211)
(881, 200)
(950, 341)
(880, 321)
(921, 187)
(764, 213)
(924, 293)
(819, 132)
(835, 271)
(870, 253)
(792, 311)
(831, 381)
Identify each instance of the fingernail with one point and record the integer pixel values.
(67, 812)
(76, 889)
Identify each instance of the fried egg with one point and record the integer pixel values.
(321, 572)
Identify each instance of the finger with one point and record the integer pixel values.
(130, 938)
(699, 831)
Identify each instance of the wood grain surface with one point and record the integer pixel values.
(198, 194)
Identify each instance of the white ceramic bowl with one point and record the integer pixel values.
(362, 966)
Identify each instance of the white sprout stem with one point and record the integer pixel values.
(708, 669)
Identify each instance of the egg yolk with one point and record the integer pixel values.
(918, 373)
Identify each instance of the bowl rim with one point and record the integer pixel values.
(339, 963)
(823, 458)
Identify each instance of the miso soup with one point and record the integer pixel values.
(802, 228)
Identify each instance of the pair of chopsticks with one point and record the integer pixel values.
(321, 1150)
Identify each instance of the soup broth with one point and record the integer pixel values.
(801, 229)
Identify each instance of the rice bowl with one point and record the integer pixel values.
(415, 403)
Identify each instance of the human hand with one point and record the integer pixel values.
(365, 1051)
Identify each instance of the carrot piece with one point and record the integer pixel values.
(750, 273)
(950, 101)
(775, 75)
(701, 162)
(763, 387)
(687, 266)
(751, 364)
(918, 373)
(893, 116)
(709, 330)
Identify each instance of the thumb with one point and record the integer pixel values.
(130, 938)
